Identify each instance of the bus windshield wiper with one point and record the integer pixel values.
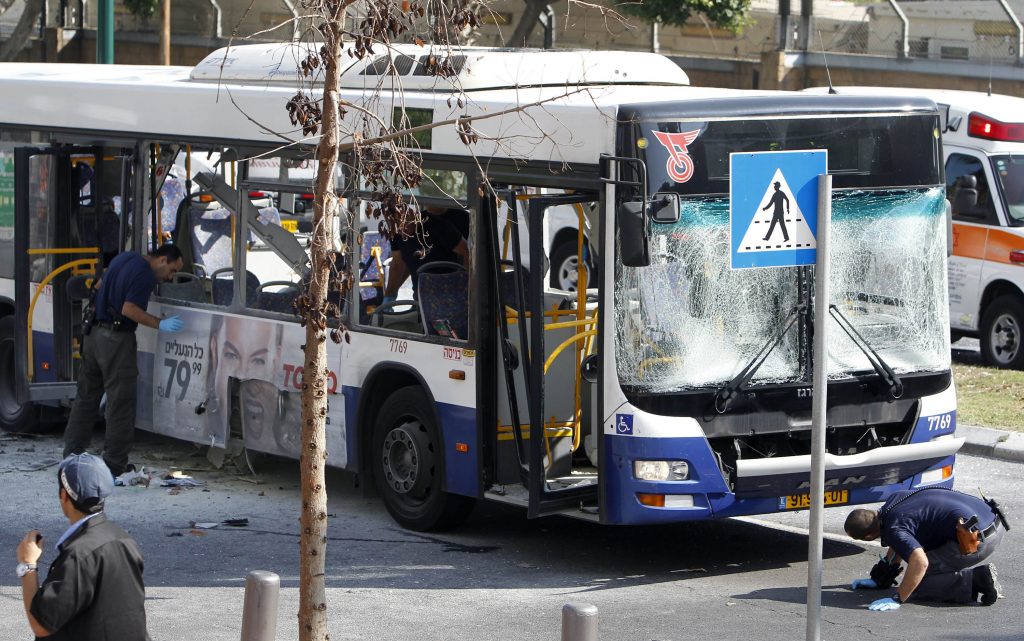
(885, 372)
(735, 386)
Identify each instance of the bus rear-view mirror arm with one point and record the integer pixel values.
(665, 208)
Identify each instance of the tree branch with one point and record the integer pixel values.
(20, 36)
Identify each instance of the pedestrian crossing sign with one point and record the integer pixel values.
(773, 207)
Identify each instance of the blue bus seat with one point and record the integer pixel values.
(184, 287)
(277, 301)
(444, 300)
(223, 287)
(211, 237)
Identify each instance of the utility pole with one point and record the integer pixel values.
(105, 33)
(165, 32)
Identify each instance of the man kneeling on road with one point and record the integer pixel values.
(943, 564)
(94, 588)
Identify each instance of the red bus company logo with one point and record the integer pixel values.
(679, 164)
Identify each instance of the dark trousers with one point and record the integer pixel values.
(948, 577)
(108, 365)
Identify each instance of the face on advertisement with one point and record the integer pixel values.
(260, 409)
(244, 349)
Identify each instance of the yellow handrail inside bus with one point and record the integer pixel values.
(649, 362)
(375, 254)
(567, 342)
(63, 250)
(581, 272)
(81, 262)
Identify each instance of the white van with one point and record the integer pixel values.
(983, 144)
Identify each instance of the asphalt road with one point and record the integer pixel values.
(498, 577)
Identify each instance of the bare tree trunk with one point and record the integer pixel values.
(165, 32)
(19, 37)
(313, 520)
(527, 22)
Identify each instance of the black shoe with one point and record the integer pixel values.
(985, 582)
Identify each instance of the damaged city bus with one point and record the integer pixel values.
(664, 387)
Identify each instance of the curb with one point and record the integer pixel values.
(986, 441)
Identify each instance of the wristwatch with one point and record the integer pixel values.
(896, 597)
(25, 568)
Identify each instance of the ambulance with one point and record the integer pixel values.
(983, 145)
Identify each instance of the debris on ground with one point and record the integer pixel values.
(209, 525)
(179, 479)
(134, 478)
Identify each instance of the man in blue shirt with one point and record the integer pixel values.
(94, 587)
(109, 351)
(920, 528)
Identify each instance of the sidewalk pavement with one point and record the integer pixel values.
(987, 441)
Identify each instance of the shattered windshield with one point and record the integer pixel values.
(1009, 170)
(688, 321)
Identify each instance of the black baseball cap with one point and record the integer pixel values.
(85, 477)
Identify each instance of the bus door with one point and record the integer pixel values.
(543, 335)
(68, 225)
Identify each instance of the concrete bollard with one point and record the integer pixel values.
(259, 611)
(579, 622)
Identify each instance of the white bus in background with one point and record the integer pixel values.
(983, 145)
(670, 388)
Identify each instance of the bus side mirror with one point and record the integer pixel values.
(634, 239)
(665, 208)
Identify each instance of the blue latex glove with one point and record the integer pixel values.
(389, 299)
(863, 583)
(883, 605)
(171, 324)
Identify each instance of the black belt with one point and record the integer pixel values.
(112, 327)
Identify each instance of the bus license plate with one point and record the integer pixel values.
(803, 501)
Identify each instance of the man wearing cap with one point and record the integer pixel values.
(94, 587)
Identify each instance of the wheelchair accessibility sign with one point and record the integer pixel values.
(773, 207)
(623, 423)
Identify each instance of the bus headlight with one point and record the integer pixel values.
(661, 470)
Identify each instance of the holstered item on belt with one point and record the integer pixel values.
(884, 573)
(967, 535)
(997, 510)
(88, 320)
